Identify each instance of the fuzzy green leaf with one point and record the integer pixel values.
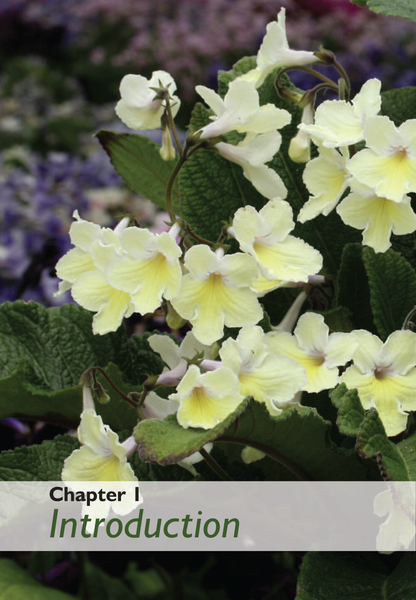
(298, 439)
(166, 442)
(398, 8)
(353, 288)
(213, 188)
(137, 160)
(399, 105)
(372, 442)
(356, 576)
(42, 462)
(350, 410)
(392, 284)
(44, 352)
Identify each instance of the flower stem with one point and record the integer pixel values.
(345, 77)
(169, 187)
(82, 560)
(277, 456)
(113, 385)
(307, 70)
(173, 127)
(324, 86)
(407, 322)
(215, 466)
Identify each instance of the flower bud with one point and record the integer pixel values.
(167, 151)
(290, 96)
(325, 56)
(300, 146)
(174, 320)
(101, 394)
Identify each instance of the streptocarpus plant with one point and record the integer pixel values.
(297, 321)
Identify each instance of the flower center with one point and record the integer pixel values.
(400, 154)
(202, 404)
(380, 373)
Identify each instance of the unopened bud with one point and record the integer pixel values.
(101, 394)
(325, 56)
(250, 455)
(300, 146)
(288, 95)
(174, 320)
(167, 151)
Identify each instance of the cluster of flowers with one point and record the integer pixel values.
(116, 273)
(380, 176)
(38, 199)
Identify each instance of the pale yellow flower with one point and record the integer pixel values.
(339, 123)
(326, 178)
(273, 380)
(379, 217)
(148, 269)
(313, 347)
(216, 292)
(385, 376)
(252, 154)
(83, 271)
(240, 111)
(265, 235)
(139, 107)
(206, 399)
(101, 457)
(275, 52)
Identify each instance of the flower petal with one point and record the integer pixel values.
(312, 334)
(290, 260)
(73, 264)
(399, 352)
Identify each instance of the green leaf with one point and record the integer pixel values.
(361, 3)
(146, 584)
(350, 410)
(42, 462)
(372, 442)
(397, 8)
(22, 399)
(298, 439)
(137, 160)
(392, 284)
(43, 353)
(399, 105)
(353, 288)
(213, 188)
(17, 584)
(356, 576)
(337, 319)
(166, 442)
(101, 586)
(145, 471)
